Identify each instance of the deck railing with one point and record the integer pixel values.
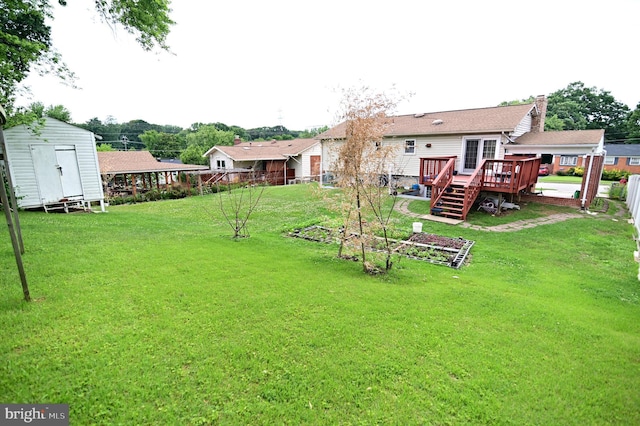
(442, 180)
(510, 175)
(471, 189)
(431, 168)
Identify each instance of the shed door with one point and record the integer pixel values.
(57, 172)
(47, 175)
(69, 171)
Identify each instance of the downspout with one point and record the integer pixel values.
(508, 138)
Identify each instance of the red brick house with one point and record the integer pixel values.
(623, 157)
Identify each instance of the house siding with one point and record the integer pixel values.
(19, 140)
(441, 146)
(213, 158)
(523, 127)
(409, 164)
(302, 166)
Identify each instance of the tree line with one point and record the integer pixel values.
(578, 107)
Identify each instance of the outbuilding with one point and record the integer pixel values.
(53, 165)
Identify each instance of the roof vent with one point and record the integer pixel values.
(418, 115)
(437, 122)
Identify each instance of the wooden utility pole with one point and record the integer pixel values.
(18, 247)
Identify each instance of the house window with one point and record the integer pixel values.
(489, 149)
(221, 164)
(634, 161)
(566, 160)
(410, 146)
(609, 161)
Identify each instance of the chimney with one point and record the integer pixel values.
(537, 121)
(236, 140)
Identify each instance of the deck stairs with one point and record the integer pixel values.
(451, 203)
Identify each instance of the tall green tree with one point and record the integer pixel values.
(580, 107)
(26, 45)
(164, 145)
(59, 112)
(633, 125)
(200, 141)
(37, 111)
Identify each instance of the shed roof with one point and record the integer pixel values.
(623, 150)
(266, 150)
(116, 162)
(479, 120)
(564, 137)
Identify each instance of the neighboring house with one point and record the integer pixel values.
(286, 161)
(468, 135)
(561, 150)
(623, 157)
(54, 165)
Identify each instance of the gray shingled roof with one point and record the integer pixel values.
(265, 150)
(623, 150)
(480, 120)
(565, 137)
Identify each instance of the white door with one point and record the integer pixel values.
(69, 171)
(57, 172)
(47, 174)
(477, 150)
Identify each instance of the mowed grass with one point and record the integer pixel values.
(152, 314)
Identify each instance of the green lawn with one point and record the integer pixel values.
(560, 179)
(150, 314)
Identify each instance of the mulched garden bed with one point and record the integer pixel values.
(422, 246)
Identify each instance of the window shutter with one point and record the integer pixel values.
(615, 161)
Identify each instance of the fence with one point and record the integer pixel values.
(633, 199)
(633, 203)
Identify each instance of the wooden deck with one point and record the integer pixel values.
(453, 195)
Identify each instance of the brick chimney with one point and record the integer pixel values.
(537, 121)
(236, 140)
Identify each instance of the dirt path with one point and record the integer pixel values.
(402, 206)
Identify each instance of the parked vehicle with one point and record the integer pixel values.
(543, 171)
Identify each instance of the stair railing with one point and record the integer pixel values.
(442, 182)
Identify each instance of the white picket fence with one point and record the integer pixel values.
(633, 203)
(633, 199)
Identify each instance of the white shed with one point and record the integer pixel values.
(54, 165)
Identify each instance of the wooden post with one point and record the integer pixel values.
(200, 183)
(12, 195)
(9, 218)
(133, 183)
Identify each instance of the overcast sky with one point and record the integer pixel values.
(255, 63)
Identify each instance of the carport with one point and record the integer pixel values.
(127, 172)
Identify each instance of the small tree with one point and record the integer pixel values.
(361, 162)
(238, 198)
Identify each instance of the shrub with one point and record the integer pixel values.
(563, 172)
(618, 192)
(615, 174)
(578, 171)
